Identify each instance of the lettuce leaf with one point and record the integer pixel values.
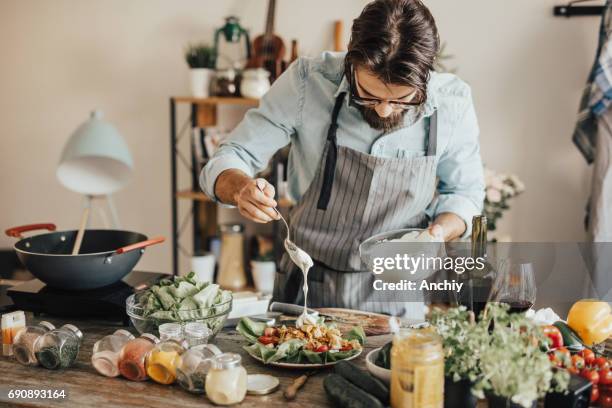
(261, 351)
(356, 333)
(288, 349)
(250, 329)
(205, 298)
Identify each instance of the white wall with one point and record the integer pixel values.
(61, 58)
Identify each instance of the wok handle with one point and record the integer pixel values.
(15, 232)
(140, 245)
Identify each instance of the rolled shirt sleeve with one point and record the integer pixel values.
(262, 132)
(461, 185)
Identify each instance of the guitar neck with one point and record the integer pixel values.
(270, 18)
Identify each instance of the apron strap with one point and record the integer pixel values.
(432, 137)
(332, 155)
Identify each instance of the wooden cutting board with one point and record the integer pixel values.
(374, 324)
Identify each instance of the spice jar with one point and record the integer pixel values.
(132, 357)
(105, 354)
(11, 324)
(162, 360)
(58, 348)
(170, 331)
(23, 344)
(417, 369)
(194, 366)
(231, 260)
(226, 382)
(196, 334)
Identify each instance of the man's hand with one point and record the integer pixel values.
(254, 198)
(447, 225)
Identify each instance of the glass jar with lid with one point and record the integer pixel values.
(170, 331)
(105, 354)
(132, 357)
(194, 366)
(231, 260)
(196, 334)
(23, 345)
(417, 369)
(58, 348)
(162, 360)
(226, 382)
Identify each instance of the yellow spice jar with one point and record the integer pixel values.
(162, 360)
(417, 369)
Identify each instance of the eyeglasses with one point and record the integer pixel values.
(371, 102)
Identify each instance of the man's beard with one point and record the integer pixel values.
(387, 124)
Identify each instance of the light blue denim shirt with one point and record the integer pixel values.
(297, 110)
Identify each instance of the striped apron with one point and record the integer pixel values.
(353, 196)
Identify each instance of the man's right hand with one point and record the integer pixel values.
(254, 198)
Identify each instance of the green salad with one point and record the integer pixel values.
(310, 344)
(183, 299)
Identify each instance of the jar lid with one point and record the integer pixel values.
(47, 325)
(150, 337)
(261, 384)
(197, 329)
(170, 329)
(226, 360)
(231, 228)
(124, 333)
(74, 330)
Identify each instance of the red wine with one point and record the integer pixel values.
(519, 306)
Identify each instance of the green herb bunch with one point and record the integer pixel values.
(201, 55)
(500, 354)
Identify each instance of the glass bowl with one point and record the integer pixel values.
(213, 317)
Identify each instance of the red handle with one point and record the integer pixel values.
(16, 231)
(139, 245)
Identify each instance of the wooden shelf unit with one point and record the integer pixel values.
(203, 113)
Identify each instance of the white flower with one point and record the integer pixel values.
(517, 183)
(493, 195)
(508, 190)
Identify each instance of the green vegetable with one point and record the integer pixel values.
(184, 298)
(571, 340)
(345, 395)
(363, 380)
(250, 329)
(383, 358)
(356, 333)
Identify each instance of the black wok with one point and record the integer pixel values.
(106, 256)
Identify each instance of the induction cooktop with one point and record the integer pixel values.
(107, 303)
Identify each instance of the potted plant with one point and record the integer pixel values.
(263, 268)
(201, 59)
(462, 339)
(514, 370)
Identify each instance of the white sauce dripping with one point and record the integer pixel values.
(304, 262)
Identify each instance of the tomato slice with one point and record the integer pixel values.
(322, 348)
(346, 348)
(267, 340)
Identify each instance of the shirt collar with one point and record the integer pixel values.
(412, 116)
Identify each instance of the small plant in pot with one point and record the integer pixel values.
(462, 339)
(202, 59)
(514, 370)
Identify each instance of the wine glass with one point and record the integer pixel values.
(514, 285)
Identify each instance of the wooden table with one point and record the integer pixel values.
(86, 388)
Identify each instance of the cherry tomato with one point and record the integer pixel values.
(266, 340)
(605, 400)
(588, 356)
(346, 348)
(563, 357)
(594, 393)
(590, 375)
(322, 348)
(577, 362)
(605, 376)
(601, 363)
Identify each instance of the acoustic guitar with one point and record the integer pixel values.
(269, 48)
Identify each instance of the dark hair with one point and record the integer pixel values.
(397, 40)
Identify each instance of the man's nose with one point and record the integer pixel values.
(383, 109)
